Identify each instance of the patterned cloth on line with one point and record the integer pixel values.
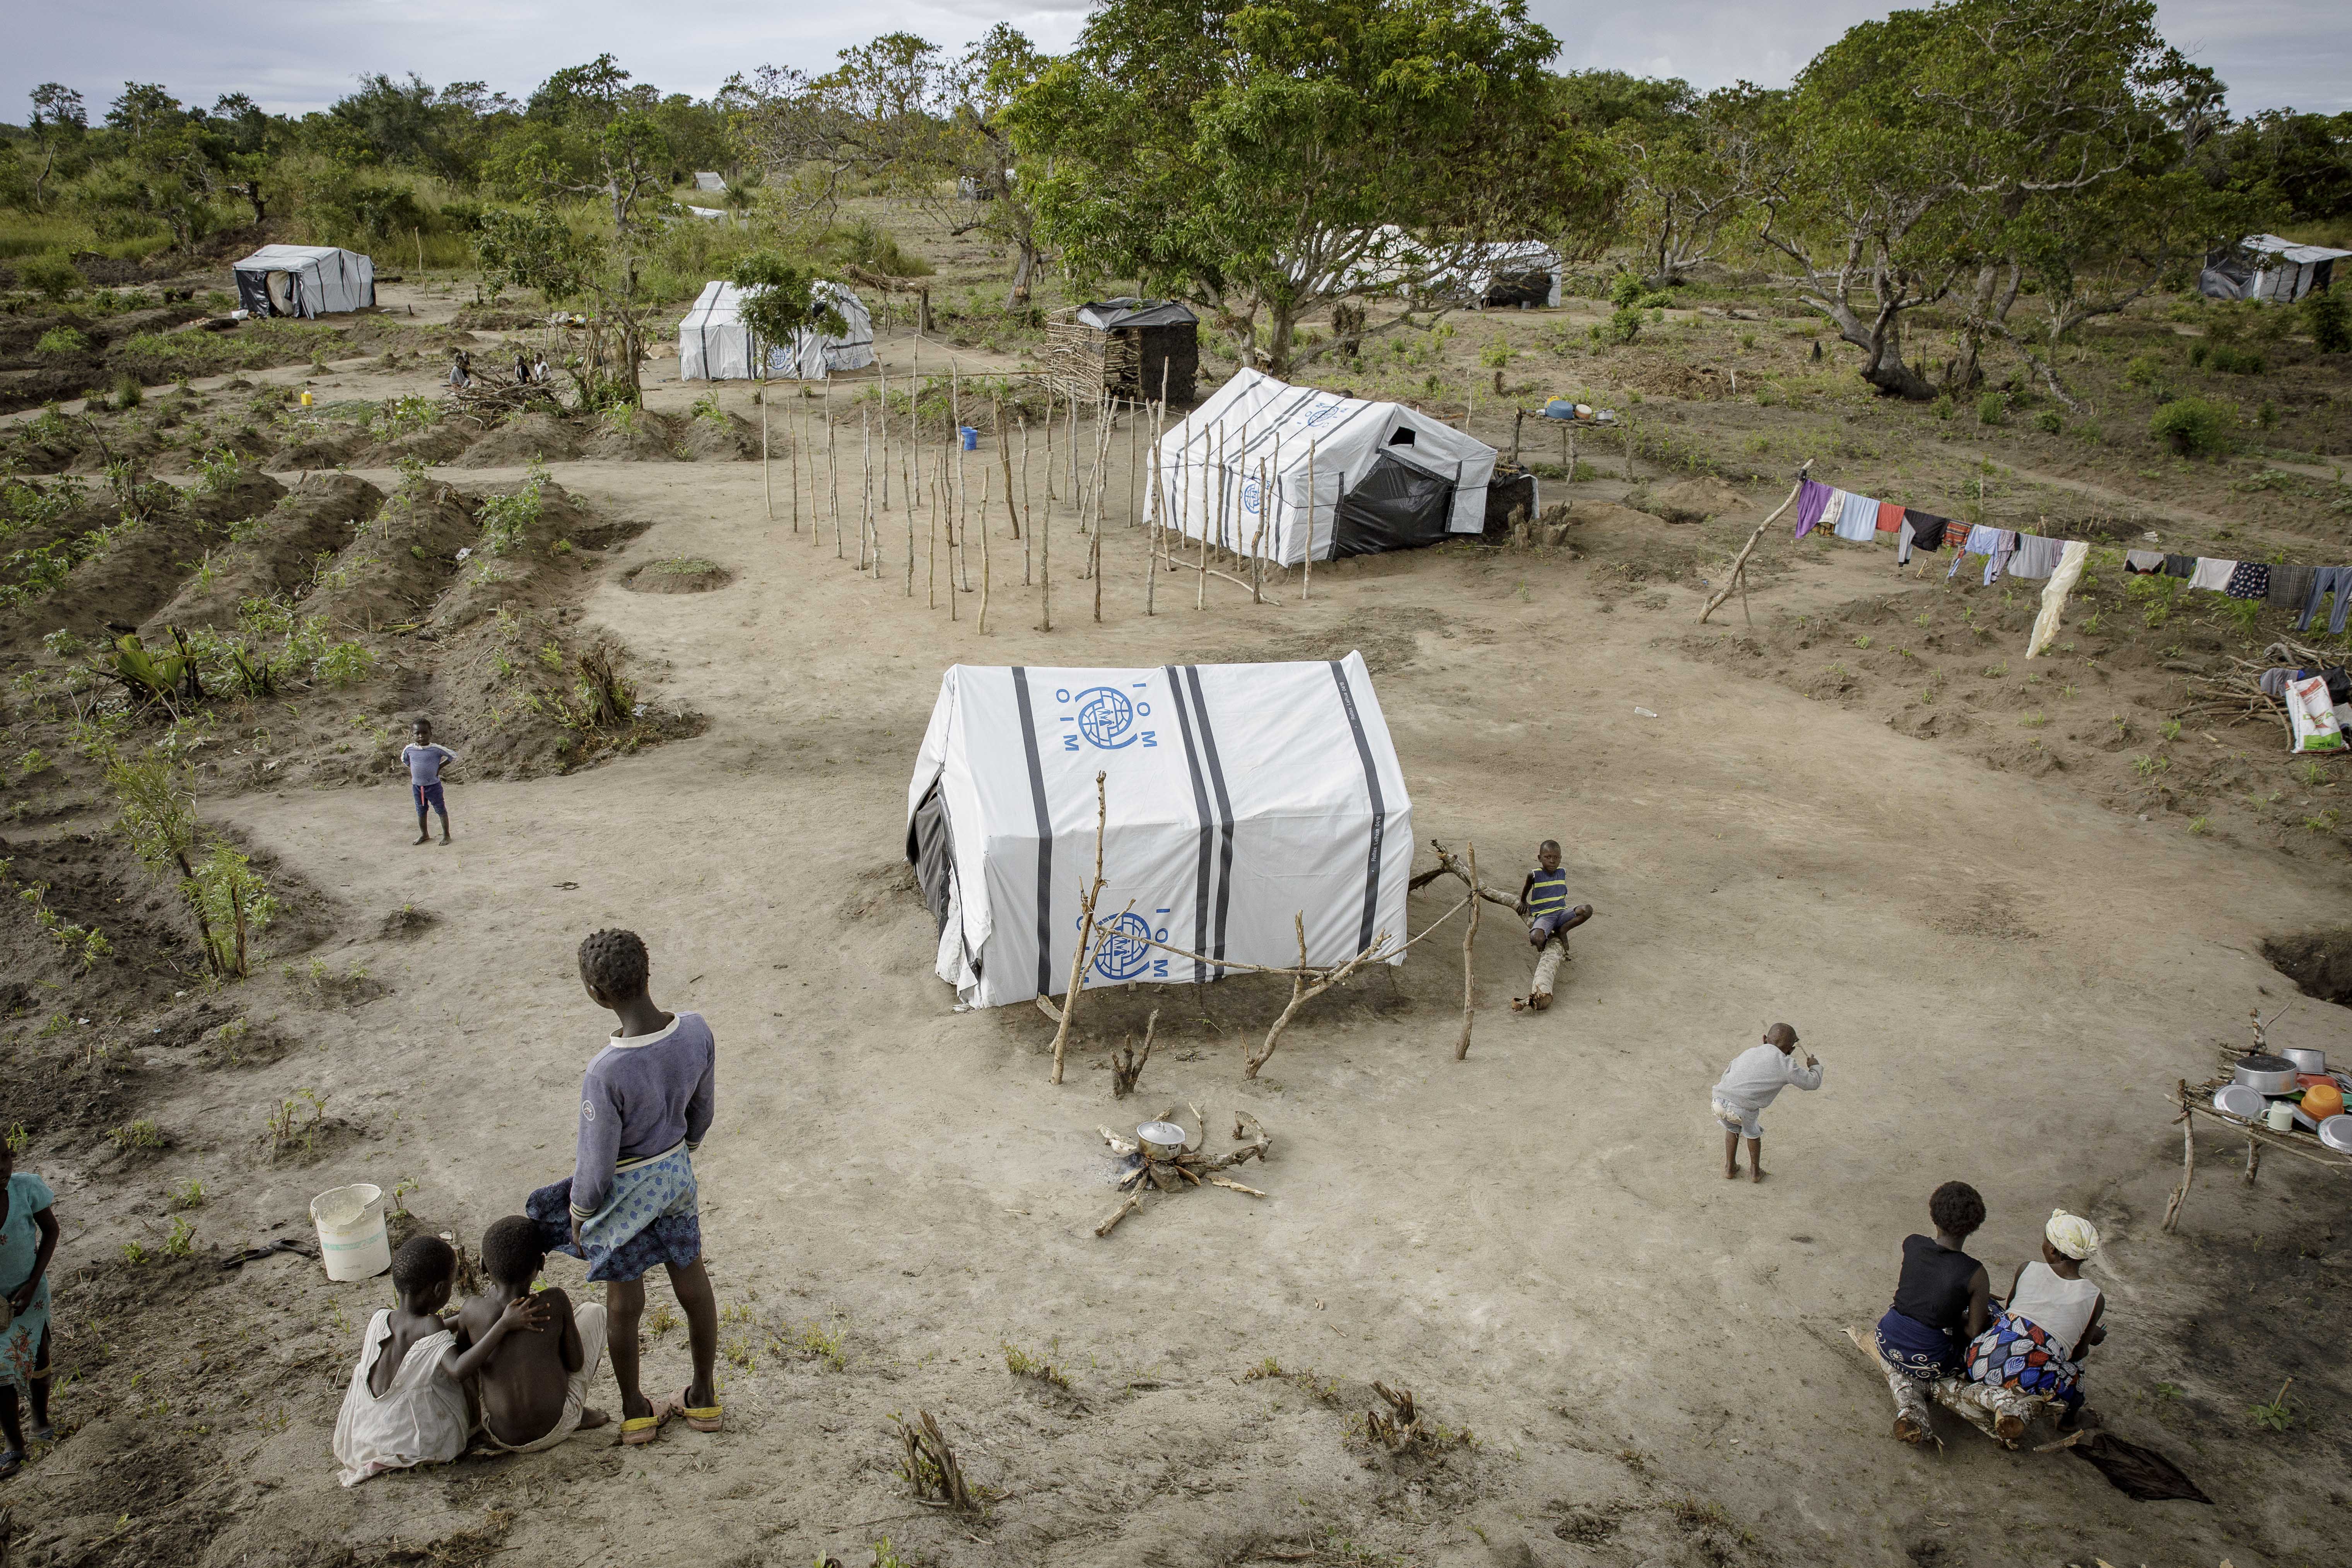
(2252, 579)
(2290, 585)
(651, 1218)
(2015, 1353)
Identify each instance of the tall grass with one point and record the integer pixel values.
(38, 234)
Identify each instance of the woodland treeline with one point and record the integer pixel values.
(2028, 165)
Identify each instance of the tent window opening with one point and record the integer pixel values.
(1403, 437)
(285, 298)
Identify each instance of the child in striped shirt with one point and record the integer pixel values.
(1543, 899)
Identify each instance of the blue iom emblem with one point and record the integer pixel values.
(1126, 953)
(1249, 492)
(1104, 717)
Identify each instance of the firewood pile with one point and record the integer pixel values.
(2234, 695)
(492, 401)
(1192, 1167)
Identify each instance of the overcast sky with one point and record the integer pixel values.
(302, 56)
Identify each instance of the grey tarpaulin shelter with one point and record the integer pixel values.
(1385, 477)
(2264, 267)
(715, 344)
(304, 281)
(1240, 797)
(708, 180)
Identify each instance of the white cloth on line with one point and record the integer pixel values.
(1857, 519)
(2212, 573)
(2054, 594)
(421, 1420)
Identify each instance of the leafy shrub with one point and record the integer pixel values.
(2048, 422)
(1624, 324)
(2329, 317)
(2194, 426)
(2145, 370)
(217, 469)
(1496, 354)
(53, 276)
(401, 416)
(129, 391)
(1992, 408)
(1942, 407)
(62, 341)
(506, 521)
(1626, 289)
(2223, 359)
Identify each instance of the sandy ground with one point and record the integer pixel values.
(2004, 980)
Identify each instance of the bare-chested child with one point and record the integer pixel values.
(533, 1389)
(406, 1403)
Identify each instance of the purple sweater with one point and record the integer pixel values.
(641, 1096)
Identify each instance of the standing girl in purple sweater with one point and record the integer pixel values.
(646, 1102)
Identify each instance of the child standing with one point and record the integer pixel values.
(631, 1202)
(1543, 902)
(406, 1403)
(1753, 1081)
(534, 1390)
(28, 1238)
(424, 761)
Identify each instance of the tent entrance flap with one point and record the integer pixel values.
(1397, 506)
(931, 849)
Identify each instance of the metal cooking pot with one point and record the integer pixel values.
(1161, 1140)
(2306, 1060)
(2265, 1074)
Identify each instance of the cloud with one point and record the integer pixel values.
(303, 57)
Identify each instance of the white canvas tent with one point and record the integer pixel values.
(1241, 797)
(1385, 475)
(713, 344)
(2264, 267)
(304, 281)
(1505, 275)
(708, 180)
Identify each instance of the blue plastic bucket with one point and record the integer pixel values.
(970, 437)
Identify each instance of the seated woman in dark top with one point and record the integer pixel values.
(1942, 1301)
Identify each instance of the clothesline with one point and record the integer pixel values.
(2008, 552)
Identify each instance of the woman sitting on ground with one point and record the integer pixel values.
(2035, 1349)
(1942, 1301)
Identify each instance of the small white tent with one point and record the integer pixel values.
(713, 344)
(1385, 477)
(304, 281)
(2264, 267)
(708, 180)
(1240, 797)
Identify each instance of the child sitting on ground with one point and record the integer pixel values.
(1543, 901)
(406, 1405)
(533, 1390)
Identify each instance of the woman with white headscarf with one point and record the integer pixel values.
(2034, 1351)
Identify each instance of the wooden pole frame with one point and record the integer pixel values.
(1737, 579)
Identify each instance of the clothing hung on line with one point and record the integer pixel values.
(1890, 517)
(2325, 580)
(1857, 520)
(2212, 573)
(1812, 499)
(2036, 556)
(2179, 565)
(1981, 541)
(2252, 579)
(1928, 529)
(2143, 562)
(2291, 585)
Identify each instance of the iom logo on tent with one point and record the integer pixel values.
(1104, 717)
(1126, 953)
(1250, 491)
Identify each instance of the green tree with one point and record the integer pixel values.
(779, 303)
(1683, 191)
(58, 125)
(1262, 162)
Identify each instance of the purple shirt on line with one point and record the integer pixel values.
(641, 1096)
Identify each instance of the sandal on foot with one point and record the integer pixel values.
(639, 1429)
(11, 1461)
(703, 1418)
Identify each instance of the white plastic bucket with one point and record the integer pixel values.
(351, 1239)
